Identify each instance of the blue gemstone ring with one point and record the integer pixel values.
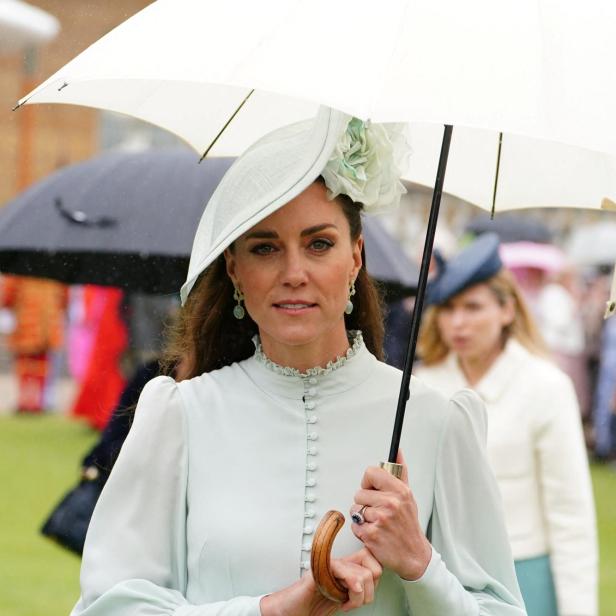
(358, 516)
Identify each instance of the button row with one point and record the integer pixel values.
(311, 466)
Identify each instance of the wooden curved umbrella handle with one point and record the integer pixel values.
(320, 557)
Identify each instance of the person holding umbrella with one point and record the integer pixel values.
(212, 504)
(479, 334)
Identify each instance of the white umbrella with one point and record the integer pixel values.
(527, 67)
(532, 172)
(425, 61)
(23, 25)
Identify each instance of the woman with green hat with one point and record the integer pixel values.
(283, 398)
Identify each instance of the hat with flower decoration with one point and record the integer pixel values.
(355, 158)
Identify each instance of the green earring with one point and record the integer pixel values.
(349, 305)
(238, 309)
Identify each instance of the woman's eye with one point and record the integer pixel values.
(321, 245)
(262, 249)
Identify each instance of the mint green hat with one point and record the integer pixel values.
(355, 158)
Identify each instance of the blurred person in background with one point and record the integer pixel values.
(147, 315)
(604, 408)
(39, 306)
(560, 322)
(478, 333)
(601, 360)
(102, 381)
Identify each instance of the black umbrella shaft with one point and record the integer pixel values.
(421, 292)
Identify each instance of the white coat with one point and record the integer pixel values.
(536, 449)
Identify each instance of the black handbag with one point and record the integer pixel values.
(68, 522)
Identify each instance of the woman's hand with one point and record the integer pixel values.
(359, 573)
(391, 530)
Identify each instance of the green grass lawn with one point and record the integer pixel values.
(39, 459)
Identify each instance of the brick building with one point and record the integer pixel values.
(60, 134)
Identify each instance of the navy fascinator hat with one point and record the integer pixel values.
(475, 263)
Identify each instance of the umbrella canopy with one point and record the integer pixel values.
(530, 173)
(387, 262)
(557, 87)
(510, 228)
(217, 52)
(121, 219)
(128, 219)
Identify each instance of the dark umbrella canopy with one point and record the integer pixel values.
(128, 219)
(387, 262)
(124, 219)
(511, 228)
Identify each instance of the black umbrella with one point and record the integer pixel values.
(511, 228)
(387, 262)
(122, 219)
(128, 219)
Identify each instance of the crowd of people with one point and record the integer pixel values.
(96, 336)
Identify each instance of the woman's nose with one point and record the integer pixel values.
(458, 318)
(294, 268)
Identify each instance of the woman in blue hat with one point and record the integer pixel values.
(212, 505)
(479, 334)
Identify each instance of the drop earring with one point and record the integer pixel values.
(349, 305)
(238, 309)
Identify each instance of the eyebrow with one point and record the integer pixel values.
(272, 235)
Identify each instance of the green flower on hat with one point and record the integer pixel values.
(365, 165)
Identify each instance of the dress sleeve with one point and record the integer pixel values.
(568, 501)
(134, 561)
(471, 572)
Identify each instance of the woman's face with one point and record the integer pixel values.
(295, 268)
(471, 323)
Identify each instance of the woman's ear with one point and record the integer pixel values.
(230, 263)
(358, 246)
(508, 313)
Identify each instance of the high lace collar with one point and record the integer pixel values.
(356, 343)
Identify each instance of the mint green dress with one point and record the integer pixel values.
(217, 492)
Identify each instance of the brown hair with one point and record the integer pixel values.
(206, 335)
(433, 349)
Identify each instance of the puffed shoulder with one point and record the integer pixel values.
(159, 415)
(158, 385)
(157, 395)
(469, 414)
(464, 412)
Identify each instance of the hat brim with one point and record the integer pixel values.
(272, 172)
